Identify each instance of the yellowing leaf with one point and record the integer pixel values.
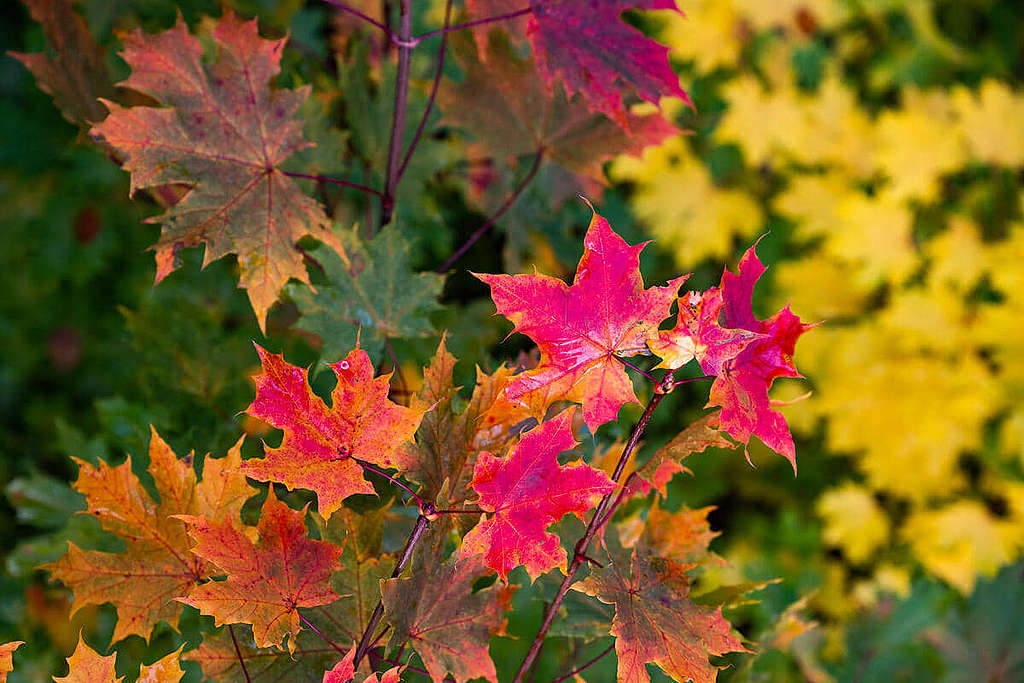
(992, 121)
(853, 521)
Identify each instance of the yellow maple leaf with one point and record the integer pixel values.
(992, 122)
(853, 521)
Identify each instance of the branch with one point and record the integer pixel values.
(378, 612)
(368, 19)
(458, 27)
(401, 102)
(595, 525)
(497, 214)
(238, 651)
(433, 95)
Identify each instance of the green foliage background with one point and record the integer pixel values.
(92, 353)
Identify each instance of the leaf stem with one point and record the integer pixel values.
(594, 527)
(419, 501)
(336, 181)
(238, 651)
(433, 95)
(469, 24)
(497, 214)
(401, 103)
(630, 365)
(417, 533)
(368, 19)
(327, 640)
(589, 664)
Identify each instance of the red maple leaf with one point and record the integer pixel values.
(267, 580)
(581, 328)
(322, 444)
(741, 388)
(585, 45)
(528, 491)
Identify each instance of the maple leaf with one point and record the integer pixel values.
(372, 295)
(584, 45)
(76, 76)
(322, 444)
(344, 672)
(85, 665)
(697, 334)
(219, 657)
(667, 460)
(267, 580)
(156, 566)
(527, 492)
(436, 611)
(165, 670)
(742, 386)
(581, 328)
(655, 619)
(501, 101)
(7, 658)
(223, 133)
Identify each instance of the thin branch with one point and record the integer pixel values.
(370, 468)
(335, 181)
(594, 527)
(433, 94)
(317, 631)
(469, 24)
(414, 538)
(401, 103)
(589, 664)
(497, 214)
(368, 19)
(238, 651)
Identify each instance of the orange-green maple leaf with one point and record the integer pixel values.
(436, 612)
(581, 328)
(501, 101)
(164, 670)
(223, 132)
(668, 460)
(157, 565)
(655, 620)
(322, 444)
(76, 75)
(267, 580)
(526, 492)
(85, 665)
(7, 658)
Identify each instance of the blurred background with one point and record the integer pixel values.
(879, 144)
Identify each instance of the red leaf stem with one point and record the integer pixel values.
(469, 24)
(589, 664)
(238, 651)
(370, 20)
(335, 181)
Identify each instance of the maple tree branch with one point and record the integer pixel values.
(401, 103)
(335, 181)
(433, 95)
(595, 525)
(469, 24)
(497, 214)
(368, 19)
(414, 537)
(327, 640)
(589, 664)
(238, 651)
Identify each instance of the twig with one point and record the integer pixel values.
(336, 181)
(378, 612)
(327, 640)
(401, 103)
(595, 525)
(238, 651)
(497, 214)
(433, 95)
(469, 24)
(589, 664)
(368, 19)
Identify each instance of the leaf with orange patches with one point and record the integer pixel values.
(668, 460)
(224, 133)
(581, 328)
(527, 491)
(345, 672)
(157, 565)
(85, 665)
(267, 580)
(164, 670)
(683, 536)
(322, 444)
(436, 612)
(656, 621)
(7, 658)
